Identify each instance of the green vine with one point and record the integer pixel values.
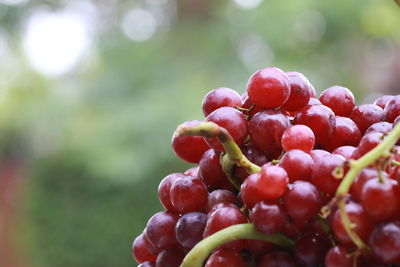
(233, 155)
(198, 255)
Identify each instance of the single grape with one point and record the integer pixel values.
(160, 229)
(266, 129)
(298, 137)
(189, 194)
(392, 109)
(385, 242)
(310, 249)
(189, 228)
(380, 198)
(302, 201)
(365, 115)
(268, 219)
(300, 89)
(210, 170)
(220, 97)
(140, 252)
(346, 133)
(272, 183)
(269, 88)
(339, 99)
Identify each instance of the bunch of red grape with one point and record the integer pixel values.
(303, 146)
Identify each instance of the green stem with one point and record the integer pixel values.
(395, 163)
(233, 156)
(381, 150)
(203, 249)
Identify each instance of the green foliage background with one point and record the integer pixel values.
(96, 142)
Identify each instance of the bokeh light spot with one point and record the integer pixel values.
(139, 25)
(248, 4)
(54, 42)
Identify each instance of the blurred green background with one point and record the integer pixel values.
(91, 92)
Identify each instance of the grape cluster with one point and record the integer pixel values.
(294, 150)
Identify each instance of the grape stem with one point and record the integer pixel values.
(381, 150)
(233, 156)
(395, 163)
(197, 256)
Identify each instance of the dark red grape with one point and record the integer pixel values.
(189, 228)
(300, 89)
(310, 249)
(268, 219)
(266, 129)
